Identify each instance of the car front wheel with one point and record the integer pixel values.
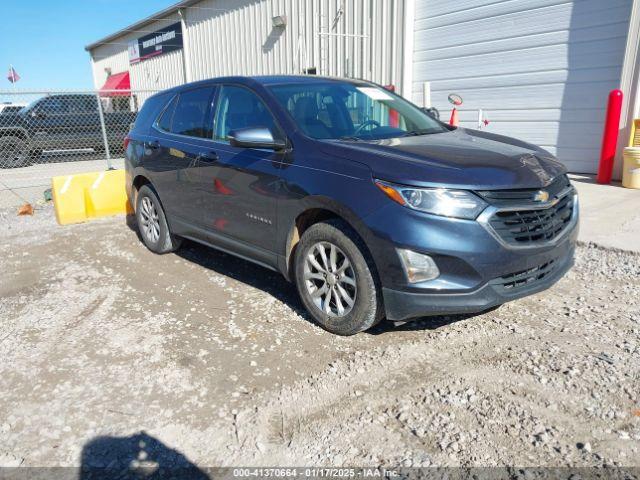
(336, 279)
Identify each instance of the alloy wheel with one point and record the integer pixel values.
(149, 220)
(330, 279)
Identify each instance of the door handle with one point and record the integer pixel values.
(208, 157)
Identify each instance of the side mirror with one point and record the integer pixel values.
(38, 114)
(432, 111)
(259, 137)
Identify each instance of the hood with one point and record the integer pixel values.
(468, 159)
(9, 118)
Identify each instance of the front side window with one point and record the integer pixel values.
(190, 113)
(239, 108)
(331, 110)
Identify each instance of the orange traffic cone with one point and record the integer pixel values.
(454, 117)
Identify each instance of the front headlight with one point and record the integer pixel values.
(437, 201)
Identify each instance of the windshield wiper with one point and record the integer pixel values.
(414, 133)
(351, 137)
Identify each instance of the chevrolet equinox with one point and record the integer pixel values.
(369, 204)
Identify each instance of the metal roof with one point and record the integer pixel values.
(155, 17)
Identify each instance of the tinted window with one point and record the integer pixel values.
(241, 108)
(190, 112)
(149, 111)
(167, 116)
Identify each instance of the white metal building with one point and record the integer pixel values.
(356, 38)
(541, 70)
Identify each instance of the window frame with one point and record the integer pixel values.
(176, 96)
(279, 134)
(156, 122)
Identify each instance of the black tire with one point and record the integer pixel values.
(367, 309)
(162, 240)
(14, 152)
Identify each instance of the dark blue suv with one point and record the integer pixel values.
(373, 207)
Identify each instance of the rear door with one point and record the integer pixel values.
(172, 153)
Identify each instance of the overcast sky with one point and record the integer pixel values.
(45, 39)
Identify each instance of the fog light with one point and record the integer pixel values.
(417, 266)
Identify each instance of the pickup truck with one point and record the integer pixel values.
(59, 124)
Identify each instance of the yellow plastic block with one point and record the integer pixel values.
(78, 198)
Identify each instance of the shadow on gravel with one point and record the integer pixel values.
(241, 270)
(135, 457)
(425, 323)
(245, 272)
(275, 284)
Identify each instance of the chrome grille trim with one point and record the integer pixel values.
(488, 214)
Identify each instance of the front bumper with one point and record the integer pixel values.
(402, 305)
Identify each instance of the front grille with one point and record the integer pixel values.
(528, 225)
(506, 198)
(526, 278)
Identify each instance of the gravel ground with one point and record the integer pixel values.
(214, 358)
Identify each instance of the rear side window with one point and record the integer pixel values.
(149, 111)
(164, 123)
(54, 106)
(190, 113)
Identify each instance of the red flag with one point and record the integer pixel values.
(13, 76)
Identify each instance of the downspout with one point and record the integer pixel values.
(186, 65)
(407, 47)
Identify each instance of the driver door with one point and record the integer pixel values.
(240, 186)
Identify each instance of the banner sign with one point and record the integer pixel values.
(162, 41)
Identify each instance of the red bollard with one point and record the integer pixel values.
(610, 137)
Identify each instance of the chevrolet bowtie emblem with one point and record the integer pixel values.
(541, 196)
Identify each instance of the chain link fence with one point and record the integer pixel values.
(49, 127)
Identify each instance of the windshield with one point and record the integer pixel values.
(331, 110)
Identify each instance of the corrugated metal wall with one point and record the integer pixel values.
(541, 69)
(352, 38)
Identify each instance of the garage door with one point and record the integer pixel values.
(541, 69)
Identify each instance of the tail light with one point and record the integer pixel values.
(126, 142)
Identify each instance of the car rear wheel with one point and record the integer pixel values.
(336, 279)
(13, 152)
(152, 222)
